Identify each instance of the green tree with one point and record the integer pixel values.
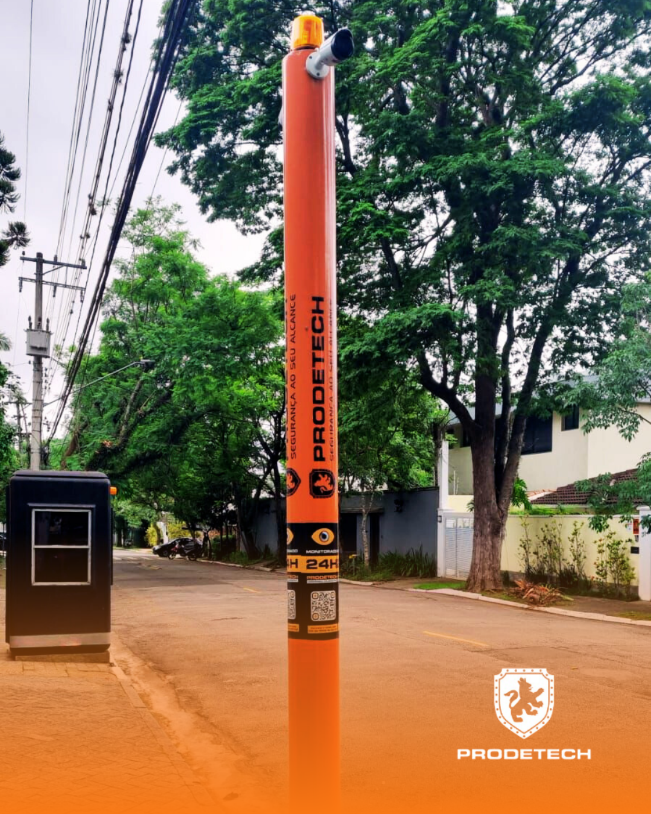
(8, 457)
(492, 166)
(198, 429)
(387, 430)
(622, 379)
(611, 396)
(15, 236)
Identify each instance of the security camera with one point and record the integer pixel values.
(334, 50)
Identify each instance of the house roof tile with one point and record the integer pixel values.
(570, 495)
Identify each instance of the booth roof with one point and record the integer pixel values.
(57, 473)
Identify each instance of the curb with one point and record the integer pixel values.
(357, 582)
(200, 794)
(596, 617)
(280, 571)
(237, 565)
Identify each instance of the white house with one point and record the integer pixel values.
(557, 452)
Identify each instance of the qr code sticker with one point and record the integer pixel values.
(323, 606)
(291, 604)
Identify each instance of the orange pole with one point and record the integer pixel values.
(311, 365)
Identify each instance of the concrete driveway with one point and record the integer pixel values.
(208, 643)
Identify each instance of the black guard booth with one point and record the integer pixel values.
(59, 559)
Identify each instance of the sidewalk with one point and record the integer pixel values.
(78, 738)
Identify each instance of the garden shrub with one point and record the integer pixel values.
(615, 572)
(152, 536)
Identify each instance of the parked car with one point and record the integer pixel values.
(187, 547)
(167, 549)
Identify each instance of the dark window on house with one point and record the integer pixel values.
(465, 438)
(571, 420)
(537, 435)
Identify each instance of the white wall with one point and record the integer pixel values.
(575, 455)
(566, 463)
(460, 471)
(511, 553)
(609, 452)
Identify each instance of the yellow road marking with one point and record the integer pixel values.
(456, 639)
(250, 590)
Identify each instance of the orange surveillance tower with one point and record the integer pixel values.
(311, 370)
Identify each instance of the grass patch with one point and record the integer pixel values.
(507, 595)
(362, 574)
(436, 586)
(415, 563)
(242, 558)
(637, 615)
(549, 511)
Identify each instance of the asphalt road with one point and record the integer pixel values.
(417, 685)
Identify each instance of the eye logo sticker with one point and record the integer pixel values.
(323, 536)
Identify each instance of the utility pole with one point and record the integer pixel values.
(38, 342)
(20, 404)
(308, 121)
(19, 428)
(18, 401)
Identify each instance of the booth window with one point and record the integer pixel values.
(61, 546)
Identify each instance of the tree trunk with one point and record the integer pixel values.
(245, 536)
(366, 548)
(489, 521)
(281, 527)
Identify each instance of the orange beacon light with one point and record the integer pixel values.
(308, 120)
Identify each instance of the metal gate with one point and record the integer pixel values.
(458, 544)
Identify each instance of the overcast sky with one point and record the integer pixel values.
(57, 37)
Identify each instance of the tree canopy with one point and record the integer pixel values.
(8, 457)
(612, 396)
(492, 167)
(191, 428)
(15, 234)
(621, 380)
(183, 403)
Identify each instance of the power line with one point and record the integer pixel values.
(90, 118)
(64, 325)
(166, 56)
(128, 138)
(80, 102)
(124, 96)
(29, 95)
(162, 161)
(65, 304)
(108, 174)
(91, 23)
(93, 11)
(136, 113)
